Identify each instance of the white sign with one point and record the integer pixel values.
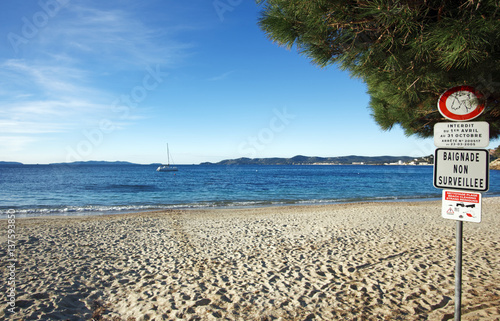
(460, 103)
(462, 169)
(472, 134)
(462, 206)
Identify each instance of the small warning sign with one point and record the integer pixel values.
(462, 206)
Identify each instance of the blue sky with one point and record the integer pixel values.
(117, 80)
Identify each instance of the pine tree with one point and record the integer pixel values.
(408, 52)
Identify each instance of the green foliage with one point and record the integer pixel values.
(408, 52)
(496, 153)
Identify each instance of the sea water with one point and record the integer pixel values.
(33, 190)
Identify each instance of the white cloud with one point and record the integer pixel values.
(66, 80)
(13, 144)
(221, 77)
(28, 127)
(114, 36)
(51, 79)
(46, 98)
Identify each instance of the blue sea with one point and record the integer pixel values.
(35, 190)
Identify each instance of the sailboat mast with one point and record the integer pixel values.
(168, 157)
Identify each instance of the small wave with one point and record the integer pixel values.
(75, 210)
(119, 209)
(132, 188)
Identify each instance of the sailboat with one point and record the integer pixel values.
(167, 167)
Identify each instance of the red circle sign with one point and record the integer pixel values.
(460, 103)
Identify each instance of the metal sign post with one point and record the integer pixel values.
(464, 169)
(458, 272)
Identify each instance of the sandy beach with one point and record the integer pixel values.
(362, 261)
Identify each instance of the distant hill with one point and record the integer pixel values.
(10, 163)
(95, 163)
(314, 160)
(116, 163)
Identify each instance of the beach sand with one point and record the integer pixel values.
(362, 261)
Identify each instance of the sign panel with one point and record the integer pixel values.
(472, 134)
(462, 206)
(462, 169)
(460, 103)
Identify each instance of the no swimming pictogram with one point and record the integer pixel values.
(461, 103)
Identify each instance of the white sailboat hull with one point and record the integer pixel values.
(166, 168)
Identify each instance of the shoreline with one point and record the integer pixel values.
(367, 260)
(20, 213)
(191, 207)
(263, 207)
